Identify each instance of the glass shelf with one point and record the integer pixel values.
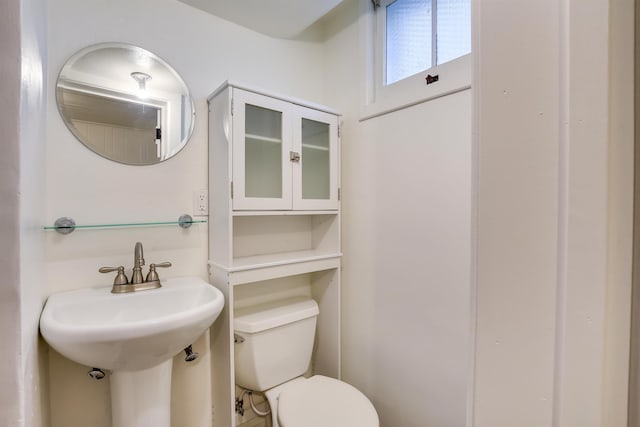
(66, 225)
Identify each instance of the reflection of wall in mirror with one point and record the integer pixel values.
(122, 144)
(118, 129)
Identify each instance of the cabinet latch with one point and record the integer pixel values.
(294, 156)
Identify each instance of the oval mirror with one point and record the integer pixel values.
(125, 103)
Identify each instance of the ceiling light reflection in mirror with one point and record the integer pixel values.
(125, 103)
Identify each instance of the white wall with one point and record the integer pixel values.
(554, 213)
(22, 98)
(620, 188)
(11, 396)
(516, 105)
(406, 181)
(32, 179)
(552, 185)
(634, 368)
(205, 51)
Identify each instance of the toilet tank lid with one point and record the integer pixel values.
(260, 317)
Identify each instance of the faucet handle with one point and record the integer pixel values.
(121, 278)
(162, 265)
(152, 276)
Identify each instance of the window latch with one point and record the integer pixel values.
(432, 79)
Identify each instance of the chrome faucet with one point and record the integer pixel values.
(138, 283)
(138, 262)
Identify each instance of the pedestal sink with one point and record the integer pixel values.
(135, 335)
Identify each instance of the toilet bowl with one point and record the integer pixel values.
(322, 401)
(274, 343)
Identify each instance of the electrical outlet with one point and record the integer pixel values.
(200, 203)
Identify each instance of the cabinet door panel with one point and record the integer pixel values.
(315, 184)
(262, 139)
(316, 161)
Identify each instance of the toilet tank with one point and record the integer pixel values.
(276, 342)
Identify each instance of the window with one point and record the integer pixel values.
(413, 38)
(422, 33)
(408, 38)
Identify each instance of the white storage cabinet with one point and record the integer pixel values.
(274, 226)
(285, 155)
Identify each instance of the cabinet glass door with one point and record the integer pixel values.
(317, 175)
(261, 168)
(262, 152)
(316, 162)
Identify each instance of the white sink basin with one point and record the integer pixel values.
(132, 331)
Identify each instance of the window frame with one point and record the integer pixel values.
(453, 76)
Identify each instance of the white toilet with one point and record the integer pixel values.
(274, 342)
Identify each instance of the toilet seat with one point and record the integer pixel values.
(322, 401)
